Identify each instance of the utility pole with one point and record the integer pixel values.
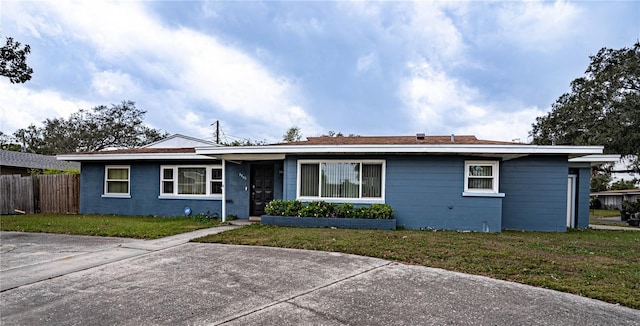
(217, 123)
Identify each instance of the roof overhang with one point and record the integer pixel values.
(132, 157)
(503, 151)
(279, 152)
(594, 160)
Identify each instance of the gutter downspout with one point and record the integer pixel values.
(224, 192)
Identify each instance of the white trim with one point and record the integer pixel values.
(596, 159)
(208, 180)
(224, 192)
(571, 200)
(360, 199)
(105, 189)
(115, 196)
(483, 194)
(495, 176)
(194, 197)
(132, 156)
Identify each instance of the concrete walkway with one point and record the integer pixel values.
(169, 281)
(76, 253)
(613, 227)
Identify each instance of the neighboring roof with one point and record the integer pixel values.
(180, 141)
(617, 192)
(174, 147)
(34, 161)
(397, 140)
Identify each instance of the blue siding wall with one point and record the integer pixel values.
(536, 193)
(426, 193)
(144, 189)
(582, 205)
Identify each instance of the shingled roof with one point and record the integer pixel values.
(34, 161)
(398, 140)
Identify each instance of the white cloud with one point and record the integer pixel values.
(20, 106)
(199, 68)
(535, 25)
(436, 101)
(113, 84)
(367, 63)
(439, 104)
(504, 125)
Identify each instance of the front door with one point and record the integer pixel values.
(261, 188)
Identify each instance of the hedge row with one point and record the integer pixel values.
(280, 207)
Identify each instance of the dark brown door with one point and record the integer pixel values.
(261, 188)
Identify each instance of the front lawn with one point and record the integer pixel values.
(139, 227)
(597, 264)
(604, 213)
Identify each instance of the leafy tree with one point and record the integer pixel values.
(332, 133)
(13, 61)
(600, 179)
(7, 143)
(603, 107)
(245, 142)
(625, 184)
(118, 126)
(293, 134)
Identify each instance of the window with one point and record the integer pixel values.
(341, 179)
(190, 181)
(116, 180)
(481, 177)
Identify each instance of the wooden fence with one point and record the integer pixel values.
(58, 193)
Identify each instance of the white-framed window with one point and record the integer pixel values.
(190, 181)
(117, 180)
(481, 177)
(341, 180)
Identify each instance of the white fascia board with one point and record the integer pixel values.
(128, 157)
(596, 159)
(402, 149)
(252, 157)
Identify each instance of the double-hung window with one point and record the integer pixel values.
(116, 181)
(481, 178)
(190, 181)
(341, 180)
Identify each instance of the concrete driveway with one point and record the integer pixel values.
(169, 281)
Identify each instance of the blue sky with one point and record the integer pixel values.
(368, 68)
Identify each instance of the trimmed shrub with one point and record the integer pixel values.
(276, 207)
(381, 211)
(281, 207)
(317, 209)
(293, 208)
(345, 210)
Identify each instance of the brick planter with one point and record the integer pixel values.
(329, 222)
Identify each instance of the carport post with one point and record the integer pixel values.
(224, 193)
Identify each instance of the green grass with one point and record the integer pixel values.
(598, 264)
(604, 213)
(138, 227)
